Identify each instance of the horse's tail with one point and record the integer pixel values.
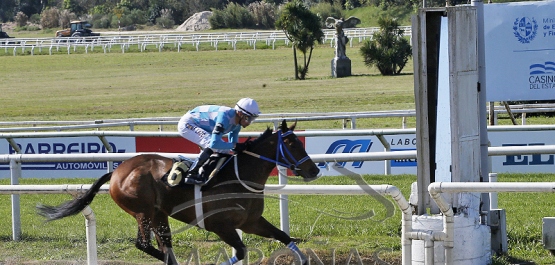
(74, 206)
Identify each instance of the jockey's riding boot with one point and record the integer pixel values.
(193, 176)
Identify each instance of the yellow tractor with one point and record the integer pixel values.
(78, 28)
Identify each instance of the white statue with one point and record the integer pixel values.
(340, 39)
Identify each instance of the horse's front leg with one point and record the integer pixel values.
(265, 229)
(229, 235)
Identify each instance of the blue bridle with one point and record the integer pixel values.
(282, 153)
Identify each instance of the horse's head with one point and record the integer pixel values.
(290, 152)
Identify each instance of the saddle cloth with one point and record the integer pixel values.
(179, 168)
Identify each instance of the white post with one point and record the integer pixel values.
(493, 195)
(283, 202)
(90, 224)
(15, 171)
(387, 148)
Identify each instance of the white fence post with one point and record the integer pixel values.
(90, 224)
(283, 201)
(15, 170)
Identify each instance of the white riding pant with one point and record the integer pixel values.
(195, 134)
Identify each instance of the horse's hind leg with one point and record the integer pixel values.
(163, 237)
(265, 229)
(143, 240)
(162, 231)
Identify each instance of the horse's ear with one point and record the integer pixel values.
(292, 128)
(283, 126)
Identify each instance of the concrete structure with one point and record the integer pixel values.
(445, 52)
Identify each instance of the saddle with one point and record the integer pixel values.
(175, 176)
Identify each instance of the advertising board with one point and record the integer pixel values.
(519, 51)
(71, 145)
(314, 145)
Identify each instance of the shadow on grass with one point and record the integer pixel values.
(505, 260)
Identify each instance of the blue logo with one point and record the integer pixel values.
(403, 162)
(540, 69)
(525, 29)
(348, 146)
(523, 160)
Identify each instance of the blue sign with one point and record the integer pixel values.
(348, 146)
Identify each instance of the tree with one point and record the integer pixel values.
(388, 50)
(303, 29)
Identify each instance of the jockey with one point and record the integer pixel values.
(206, 125)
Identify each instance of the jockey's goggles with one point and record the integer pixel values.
(249, 119)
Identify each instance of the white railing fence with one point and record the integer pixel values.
(177, 40)
(349, 119)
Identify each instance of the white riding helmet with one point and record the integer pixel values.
(248, 106)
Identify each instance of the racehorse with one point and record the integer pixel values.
(233, 199)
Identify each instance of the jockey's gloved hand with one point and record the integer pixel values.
(240, 147)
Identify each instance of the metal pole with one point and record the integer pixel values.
(387, 148)
(493, 195)
(283, 201)
(90, 224)
(15, 170)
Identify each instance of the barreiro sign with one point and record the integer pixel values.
(76, 145)
(520, 51)
(73, 145)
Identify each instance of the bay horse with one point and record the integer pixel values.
(233, 199)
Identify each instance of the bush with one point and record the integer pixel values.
(165, 20)
(239, 16)
(388, 50)
(32, 28)
(50, 18)
(234, 16)
(35, 19)
(101, 21)
(137, 16)
(21, 19)
(217, 19)
(27, 28)
(123, 22)
(264, 14)
(66, 17)
(100, 10)
(324, 10)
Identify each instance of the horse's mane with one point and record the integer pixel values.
(262, 137)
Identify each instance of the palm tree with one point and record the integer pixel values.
(303, 29)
